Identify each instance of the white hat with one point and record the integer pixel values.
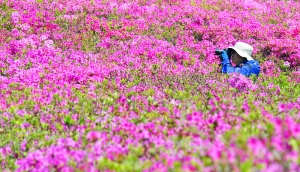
(244, 50)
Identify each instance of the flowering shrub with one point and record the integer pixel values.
(270, 68)
(97, 86)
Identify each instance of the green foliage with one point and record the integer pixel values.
(295, 144)
(246, 166)
(125, 163)
(89, 41)
(170, 34)
(182, 95)
(68, 120)
(287, 88)
(149, 92)
(5, 16)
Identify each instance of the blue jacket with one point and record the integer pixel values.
(247, 68)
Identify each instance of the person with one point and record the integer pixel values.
(241, 56)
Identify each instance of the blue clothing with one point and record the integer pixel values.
(247, 68)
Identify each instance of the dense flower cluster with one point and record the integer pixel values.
(134, 85)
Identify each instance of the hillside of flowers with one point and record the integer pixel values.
(134, 86)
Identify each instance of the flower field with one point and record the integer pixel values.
(134, 85)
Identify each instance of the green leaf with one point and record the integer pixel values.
(246, 166)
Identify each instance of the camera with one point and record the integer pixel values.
(219, 52)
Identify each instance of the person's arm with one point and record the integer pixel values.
(226, 65)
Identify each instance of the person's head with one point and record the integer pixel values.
(241, 52)
(236, 58)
